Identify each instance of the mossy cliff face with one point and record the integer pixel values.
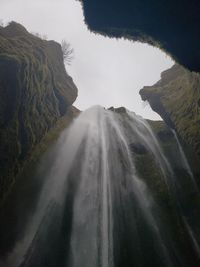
(163, 197)
(169, 191)
(173, 26)
(176, 97)
(35, 91)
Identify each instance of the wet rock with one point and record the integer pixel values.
(138, 148)
(35, 92)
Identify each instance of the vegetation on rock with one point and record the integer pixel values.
(176, 98)
(35, 93)
(68, 52)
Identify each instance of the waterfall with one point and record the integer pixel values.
(144, 131)
(95, 209)
(184, 159)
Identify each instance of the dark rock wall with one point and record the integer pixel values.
(35, 91)
(174, 26)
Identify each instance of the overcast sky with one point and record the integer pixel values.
(107, 72)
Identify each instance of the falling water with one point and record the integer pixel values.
(192, 236)
(192, 229)
(94, 209)
(143, 130)
(184, 159)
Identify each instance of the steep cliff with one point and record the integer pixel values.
(173, 26)
(35, 92)
(176, 97)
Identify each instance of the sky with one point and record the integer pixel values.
(108, 72)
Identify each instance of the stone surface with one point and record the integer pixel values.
(173, 26)
(176, 99)
(35, 92)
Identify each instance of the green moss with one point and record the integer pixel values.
(35, 93)
(176, 98)
(164, 197)
(27, 167)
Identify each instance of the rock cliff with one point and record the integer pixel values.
(35, 92)
(176, 98)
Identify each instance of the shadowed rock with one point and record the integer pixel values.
(35, 91)
(173, 26)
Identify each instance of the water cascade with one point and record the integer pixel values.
(97, 209)
(184, 159)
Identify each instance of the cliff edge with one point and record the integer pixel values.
(176, 98)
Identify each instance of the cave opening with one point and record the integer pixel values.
(107, 71)
(89, 182)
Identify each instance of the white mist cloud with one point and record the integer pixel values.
(107, 72)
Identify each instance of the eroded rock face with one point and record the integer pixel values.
(171, 25)
(35, 91)
(176, 98)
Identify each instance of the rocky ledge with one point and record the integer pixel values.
(176, 98)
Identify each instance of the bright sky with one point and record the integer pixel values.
(107, 72)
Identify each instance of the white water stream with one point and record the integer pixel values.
(94, 210)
